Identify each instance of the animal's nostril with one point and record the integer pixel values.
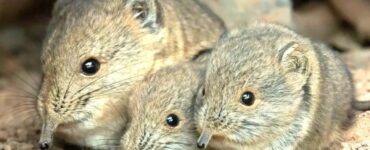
(44, 145)
(201, 145)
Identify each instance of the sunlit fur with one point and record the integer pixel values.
(169, 91)
(86, 108)
(297, 106)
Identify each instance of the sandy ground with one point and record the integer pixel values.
(20, 44)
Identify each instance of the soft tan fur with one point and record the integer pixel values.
(130, 39)
(171, 90)
(303, 92)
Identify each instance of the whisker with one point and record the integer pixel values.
(57, 87)
(30, 85)
(109, 146)
(25, 97)
(89, 84)
(32, 77)
(24, 114)
(68, 86)
(17, 90)
(106, 88)
(108, 139)
(25, 104)
(102, 77)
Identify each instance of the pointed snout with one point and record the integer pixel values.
(204, 139)
(44, 145)
(47, 135)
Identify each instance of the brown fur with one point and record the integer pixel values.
(130, 39)
(171, 90)
(303, 92)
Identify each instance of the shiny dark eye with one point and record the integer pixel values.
(90, 66)
(172, 120)
(247, 98)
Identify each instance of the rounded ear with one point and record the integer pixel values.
(293, 57)
(149, 12)
(199, 98)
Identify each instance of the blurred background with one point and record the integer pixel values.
(342, 24)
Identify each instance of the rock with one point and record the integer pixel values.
(238, 13)
(3, 136)
(7, 147)
(357, 137)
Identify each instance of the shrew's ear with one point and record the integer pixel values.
(294, 58)
(199, 97)
(149, 12)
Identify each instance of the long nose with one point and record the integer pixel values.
(44, 145)
(47, 135)
(204, 139)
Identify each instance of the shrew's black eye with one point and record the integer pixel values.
(90, 66)
(247, 98)
(172, 120)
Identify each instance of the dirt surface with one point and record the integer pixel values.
(22, 30)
